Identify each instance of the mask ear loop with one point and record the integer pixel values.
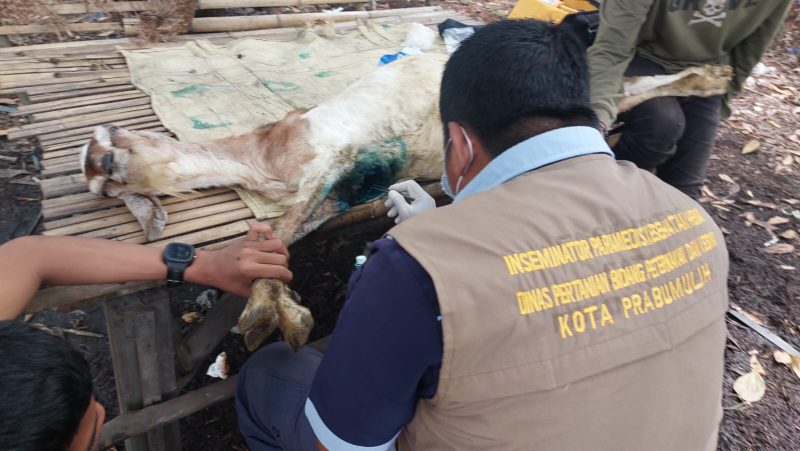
(469, 163)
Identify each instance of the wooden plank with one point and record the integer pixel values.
(20, 81)
(239, 23)
(104, 7)
(176, 229)
(7, 71)
(86, 132)
(59, 186)
(224, 4)
(87, 202)
(98, 219)
(140, 421)
(121, 218)
(56, 124)
(116, 105)
(60, 76)
(72, 27)
(93, 82)
(42, 107)
(202, 340)
(141, 335)
(50, 128)
(79, 93)
(57, 63)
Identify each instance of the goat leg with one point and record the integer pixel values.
(271, 302)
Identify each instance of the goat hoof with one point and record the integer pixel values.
(259, 318)
(294, 321)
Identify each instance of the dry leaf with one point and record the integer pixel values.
(191, 317)
(750, 387)
(759, 203)
(777, 220)
(7, 101)
(756, 366)
(726, 178)
(780, 248)
(789, 235)
(751, 146)
(782, 357)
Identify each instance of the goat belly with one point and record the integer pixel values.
(375, 168)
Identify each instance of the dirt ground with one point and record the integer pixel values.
(755, 198)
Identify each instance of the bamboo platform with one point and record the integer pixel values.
(67, 89)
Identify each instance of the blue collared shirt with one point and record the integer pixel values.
(386, 351)
(536, 152)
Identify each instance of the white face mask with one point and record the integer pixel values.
(445, 181)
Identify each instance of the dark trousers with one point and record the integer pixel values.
(670, 136)
(271, 392)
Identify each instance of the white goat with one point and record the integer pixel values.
(315, 163)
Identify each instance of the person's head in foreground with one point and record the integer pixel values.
(508, 82)
(46, 401)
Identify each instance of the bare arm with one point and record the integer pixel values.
(28, 263)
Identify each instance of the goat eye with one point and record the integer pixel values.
(113, 129)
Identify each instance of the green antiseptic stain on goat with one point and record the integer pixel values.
(189, 90)
(324, 74)
(199, 124)
(279, 86)
(377, 166)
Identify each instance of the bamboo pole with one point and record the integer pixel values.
(222, 4)
(140, 421)
(243, 23)
(73, 27)
(104, 7)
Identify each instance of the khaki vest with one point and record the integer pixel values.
(582, 309)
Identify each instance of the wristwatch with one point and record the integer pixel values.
(177, 257)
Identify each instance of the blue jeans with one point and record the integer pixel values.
(271, 391)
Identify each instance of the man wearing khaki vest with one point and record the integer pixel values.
(564, 301)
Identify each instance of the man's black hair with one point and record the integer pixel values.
(514, 79)
(45, 389)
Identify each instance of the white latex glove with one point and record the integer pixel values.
(400, 209)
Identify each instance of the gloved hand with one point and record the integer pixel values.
(400, 209)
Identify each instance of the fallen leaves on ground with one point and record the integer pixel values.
(751, 146)
(777, 220)
(789, 360)
(750, 387)
(191, 317)
(780, 248)
(782, 357)
(755, 365)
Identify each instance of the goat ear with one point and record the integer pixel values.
(148, 211)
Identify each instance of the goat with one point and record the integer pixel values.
(315, 163)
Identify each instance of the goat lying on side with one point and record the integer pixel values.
(315, 163)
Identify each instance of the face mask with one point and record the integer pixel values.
(445, 181)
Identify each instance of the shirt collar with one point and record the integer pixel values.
(535, 152)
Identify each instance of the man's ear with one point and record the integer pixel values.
(458, 156)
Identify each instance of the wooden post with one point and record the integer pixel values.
(142, 334)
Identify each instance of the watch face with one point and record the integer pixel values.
(178, 252)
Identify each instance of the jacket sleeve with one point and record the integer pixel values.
(612, 51)
(745, 55)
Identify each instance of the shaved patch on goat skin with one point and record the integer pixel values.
(84, 155)
(102, 136)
